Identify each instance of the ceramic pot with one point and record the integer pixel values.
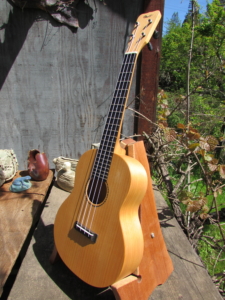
(38, 166)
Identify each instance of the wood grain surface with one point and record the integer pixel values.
(55, 84)
(18, 212)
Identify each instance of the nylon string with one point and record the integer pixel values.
(107, 142)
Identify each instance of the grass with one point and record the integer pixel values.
(211, 253)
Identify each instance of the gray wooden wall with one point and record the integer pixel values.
(56, 84)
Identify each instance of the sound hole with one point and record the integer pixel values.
(97, 191)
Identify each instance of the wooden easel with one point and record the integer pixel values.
(156, 265)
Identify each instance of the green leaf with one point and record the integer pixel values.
(193, 146)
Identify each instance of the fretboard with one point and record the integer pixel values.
(105, 152)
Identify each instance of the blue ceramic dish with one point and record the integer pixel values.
(20, 184)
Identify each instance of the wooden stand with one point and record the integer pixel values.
(156, 265)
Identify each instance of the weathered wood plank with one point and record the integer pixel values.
(18, 212)
(56, 85)
(189, 279)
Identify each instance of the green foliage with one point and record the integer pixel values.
(207, 74)
(190, 166)
(191, 176)
(212, 255)
(174, 57)
(208, 56)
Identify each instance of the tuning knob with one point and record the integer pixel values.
(150, 47)
(156, 34)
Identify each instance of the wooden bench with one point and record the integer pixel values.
(18, 213)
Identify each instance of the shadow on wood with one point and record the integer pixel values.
(58, 271)
(17, 27)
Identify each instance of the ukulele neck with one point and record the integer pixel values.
(114, 120)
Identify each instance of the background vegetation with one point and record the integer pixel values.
(186, 149)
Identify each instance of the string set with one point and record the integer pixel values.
(103, 158)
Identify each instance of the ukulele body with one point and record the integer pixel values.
(118, 248)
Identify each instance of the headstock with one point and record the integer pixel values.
(143, 31)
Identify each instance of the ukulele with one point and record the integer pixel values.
(97, 229)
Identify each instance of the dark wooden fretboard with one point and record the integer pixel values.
(105, 152)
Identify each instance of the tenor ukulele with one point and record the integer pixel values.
(97, 229)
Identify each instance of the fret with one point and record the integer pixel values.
(128, 66)
(106, 149)
(120, 94)
(118, 119)
(107, 156)
(108, 138)
(113, 123)
(116, 110)
(112, 129)
(100, 171)
(121, 89)
(113, 132)
(103, 165)
(100, 176)
(101, 168)
(124, 78)
(118, 103)
(115, 115)
(123, 83)
(109, 132)
(125, 75)
(114, 126)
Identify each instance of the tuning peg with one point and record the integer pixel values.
(156, 34)
(150, 47)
